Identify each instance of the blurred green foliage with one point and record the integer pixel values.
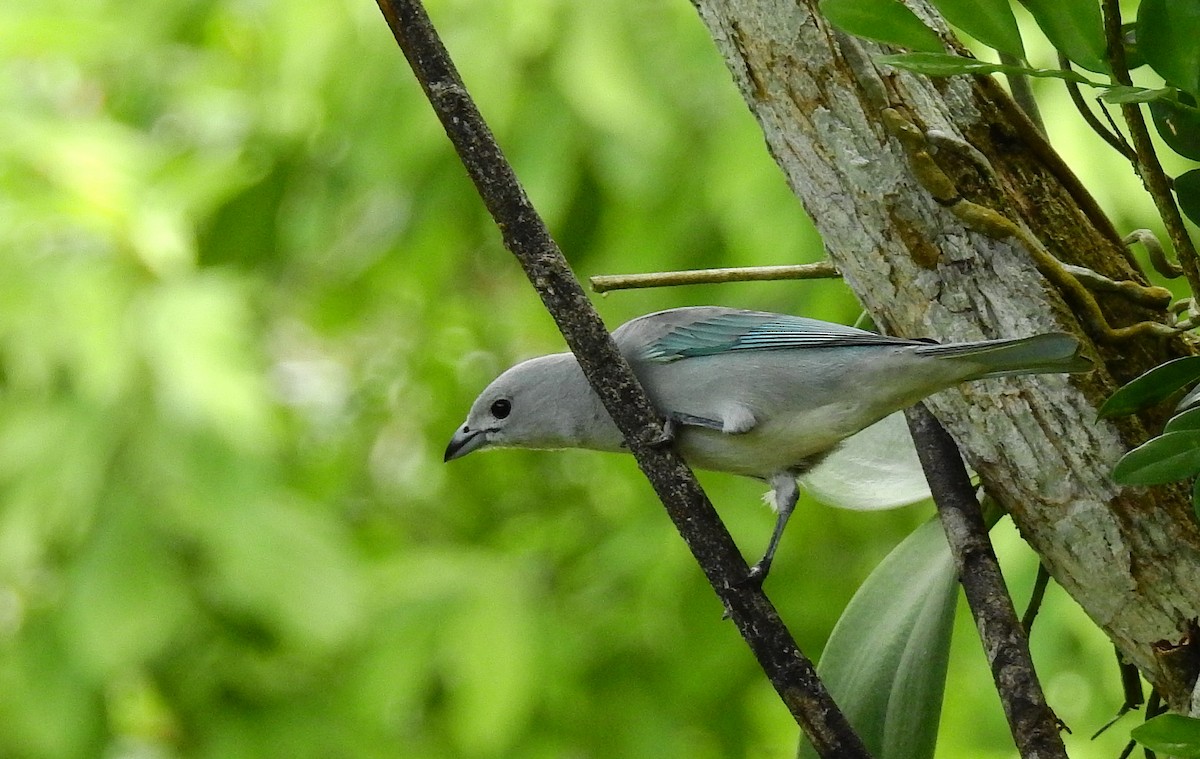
(246, 294)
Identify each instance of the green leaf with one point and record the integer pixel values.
(1166, 458)
(989, 21)
(128, 598)
(1178, 123)
(1133, 56)
(1196, 498)
(493, 695)
(876, 468)
(948, 64)
(1190, 399)
(1153, 386)
(887, 21)
(1075, 28)
(49, 706)
(1188, 420)
(1119, 93)
(1187, 190)
(1171, 735)
(885, 662)
(1167, 34)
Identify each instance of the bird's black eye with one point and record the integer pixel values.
(502, 408)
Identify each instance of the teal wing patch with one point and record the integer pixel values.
(750, 331)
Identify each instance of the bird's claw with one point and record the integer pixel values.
(665, 436)
(752, 581)
(756, 576)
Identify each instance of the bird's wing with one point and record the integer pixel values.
(686, 333)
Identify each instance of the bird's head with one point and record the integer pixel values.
(544, 402)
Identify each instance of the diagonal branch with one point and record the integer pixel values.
(1113, 137)
(1032, 723)
(525, 235)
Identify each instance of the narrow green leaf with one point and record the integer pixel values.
(1167, 34)
(948, 64)
(887, 21)
(1190, 399)
(1178, 123)
(989, 21)
(876, 468)
(1171, 735)
(1075, 28)
(1188, 420)
(1187, 191)
(1119, 93)
(1153, 386)
(1196, 498)
(885, 662)
(1167, 458)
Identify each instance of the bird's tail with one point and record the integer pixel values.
(1050, 353)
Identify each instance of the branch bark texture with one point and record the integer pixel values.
(525, 235)
(1130, 557)
(1034, 727)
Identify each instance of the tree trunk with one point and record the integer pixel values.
(1130, 557)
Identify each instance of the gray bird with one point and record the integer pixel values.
(757, 394)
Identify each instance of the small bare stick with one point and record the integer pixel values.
(606, 282)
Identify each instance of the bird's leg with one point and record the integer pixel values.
(786, 492)
(691, 420)
(920, 147)
(673, 421)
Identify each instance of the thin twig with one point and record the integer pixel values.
(1112, 137)
(605, 282)
(1153, 177)
(1030, 720)
(1022, 91)
(1035, 599)
(1154, 707)
(1131, 686)
(525, 235)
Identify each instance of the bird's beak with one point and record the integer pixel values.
(464, 441)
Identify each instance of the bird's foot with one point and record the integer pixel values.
(752, 581)
(756, 576)
(664, 436)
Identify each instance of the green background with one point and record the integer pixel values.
(247, 294)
